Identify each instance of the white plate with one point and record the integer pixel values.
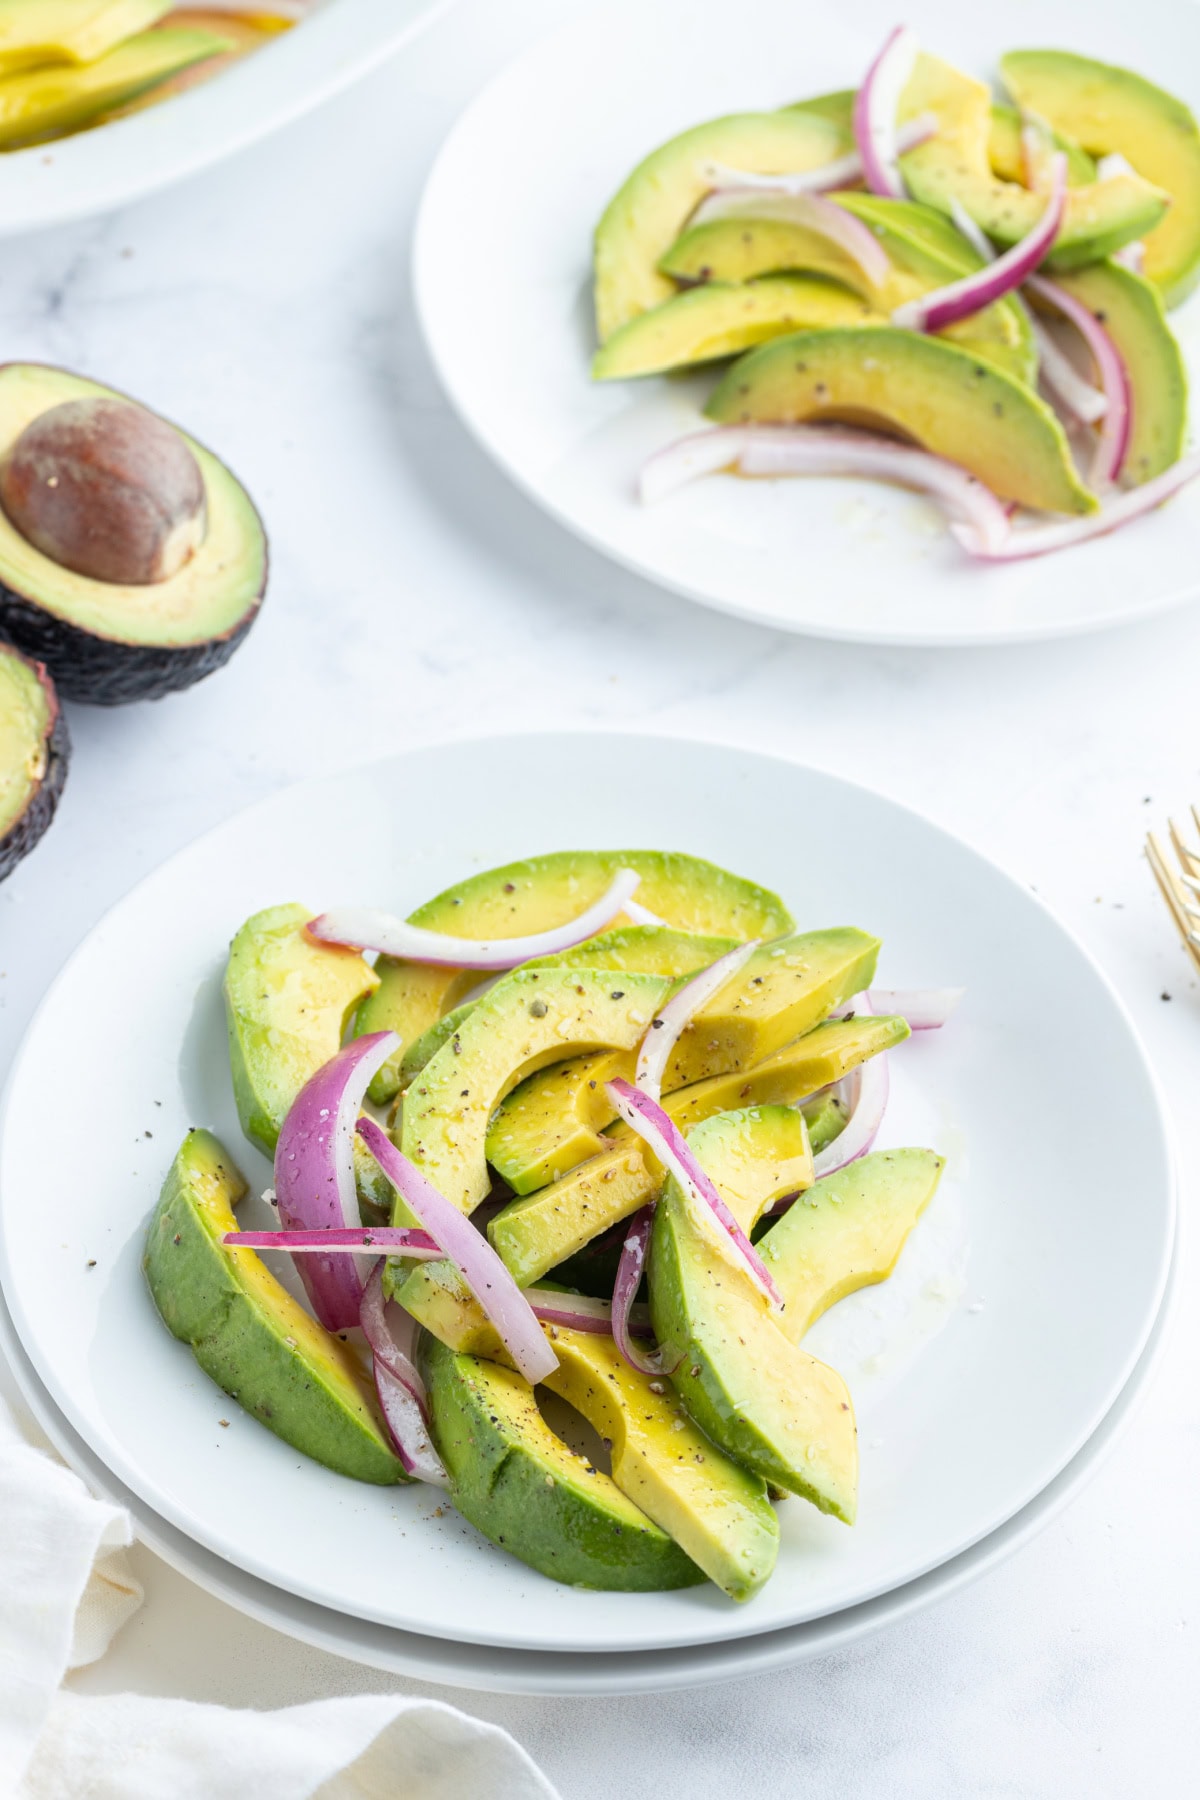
(106, 168)
(483, 1667)
(509, 212)
(976, 1383)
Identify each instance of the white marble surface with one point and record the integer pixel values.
(416, 595)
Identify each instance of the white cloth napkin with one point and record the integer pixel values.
(65, 1591)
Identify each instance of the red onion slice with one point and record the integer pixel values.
(1113, 441)
(767, 450)
(392, 1335)
(922, 1009)
(629, 1274)
(842, 172)
(364, 928)
(875, 107)
(383, 1240)
(868, 1102)
(966, 227)
(814, 213)
(637, 914)
(582, 1312)
(667, 1026)
(472, 1255)
(1041, 540)
(666, 1142)
(971, 293)
(314, 1170)
(1132, 257)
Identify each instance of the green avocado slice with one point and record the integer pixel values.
(767, 1403)
(521, 1486)
(247, 1332)
(541, 1231)
(922, 255)
(538, 894)
(1131, 312)
(50, 101)
(34, 752)
(933, 392)
(954, 164)
(722, 318)
(109, 643)
(846, 1231)
(33, 32)
(717, 1512)
(649, 210)
(1111, 109)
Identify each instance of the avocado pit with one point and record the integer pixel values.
(106, 489)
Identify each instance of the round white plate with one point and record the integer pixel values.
(508, 214)
(481, 1666)
(106, 168)
(1015, 1318)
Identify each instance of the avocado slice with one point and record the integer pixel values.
(107, 643)
(539, 894)
(762, 239)
(248, 1333)
(521, 1486)
(826, 1120)
(35, 749)
(287, 1003)
(541, 1231)
(1111, 109)
(766, 1402)
(846, 1231)
(50, 101)
(717, 1512)
(649, 210)
(954, 164)
(934, 392)
(1131, 310)
(73, 31)
(719, 318)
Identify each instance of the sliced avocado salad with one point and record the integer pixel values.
(592, 1221)
(68, 65)
(955, 287)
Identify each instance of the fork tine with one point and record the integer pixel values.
(1173, 894)
(1188, 858)
(1195, 812)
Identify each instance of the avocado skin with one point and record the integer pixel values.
(487, 1427)
(34, 822)
(105, 671)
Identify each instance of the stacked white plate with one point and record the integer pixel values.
(989, 1373)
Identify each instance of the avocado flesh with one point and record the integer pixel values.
(638, 949)
(541, 893)
(1132, 314)
(105, 643)
(826, 1120)
(536, 1234)
(722, 319)
(954, 164)
(846, 1231)
(1111, 109)
(37, 104)
(521, 1486)
(717, 1512)
(756, 242)
(648, 212)
(767, 1403)
(74, 31)
(34, 752)
(247, 1332)
(935, 393)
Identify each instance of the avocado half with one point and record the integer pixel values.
(34, 752)
(107, 643)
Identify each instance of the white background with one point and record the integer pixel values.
(415, 595)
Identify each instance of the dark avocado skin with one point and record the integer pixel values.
(21, 837)
(105, 671)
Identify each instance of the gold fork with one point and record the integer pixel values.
(1181, 890)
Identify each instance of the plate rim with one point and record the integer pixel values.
(596, 1673)
(192, 1525)
(948, 638)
